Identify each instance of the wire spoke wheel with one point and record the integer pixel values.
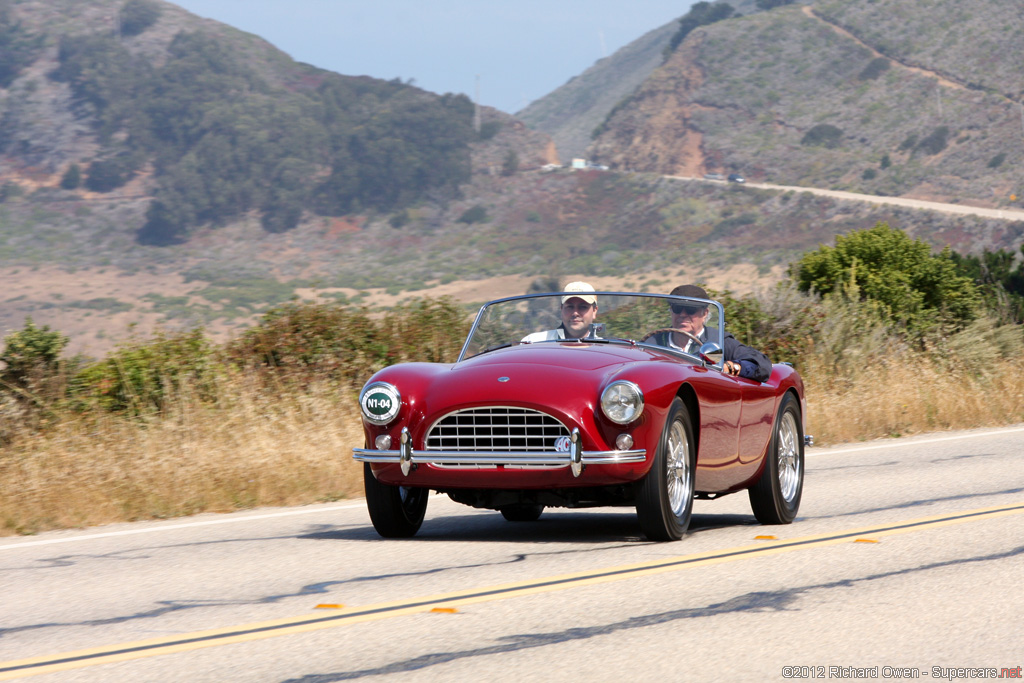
(775, 498)
(664, 502)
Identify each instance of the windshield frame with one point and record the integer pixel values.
(481, 314)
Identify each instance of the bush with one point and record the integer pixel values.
(29, 353)
(19, 47)
(997, 160)
(823, 135)
(935, 142)
(106, 175)
(304, 341)
(138, 15)
(72, 178)
(511, 164)
(901, 277)
(908, 142)
(474, 214)
(875, 68)
(700, 14)
(140, 376)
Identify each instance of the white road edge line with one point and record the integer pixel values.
(230, 519)
(911, 442)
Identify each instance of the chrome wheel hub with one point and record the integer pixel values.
(679, 476)
(788, 455)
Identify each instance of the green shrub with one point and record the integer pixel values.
(138, 15)
(305, 340)
(489, 129)
(510, 165)
(700, 14)
(875, 68)
(19, 46)
(29, 353)
(474, 214)
(72, 178)
(869, 174)
(908, 284)
(997, 160)
(140, 376)
(935, 142)
(823, 135)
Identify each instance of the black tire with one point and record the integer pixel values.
(775, 498)
(664, 502)
(522, 512)
(396, 511)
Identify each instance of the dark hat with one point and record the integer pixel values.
(692, 291)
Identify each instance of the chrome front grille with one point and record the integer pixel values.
(498, 429)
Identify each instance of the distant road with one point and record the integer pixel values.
(1002, 214)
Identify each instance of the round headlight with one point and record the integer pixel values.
(380, 402)
(622, 402)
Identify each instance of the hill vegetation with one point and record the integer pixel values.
(218, 136)
(176, 424)
(876, 97)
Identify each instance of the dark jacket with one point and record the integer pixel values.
(753, 364)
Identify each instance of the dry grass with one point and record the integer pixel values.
(910, 396)
(252, 447)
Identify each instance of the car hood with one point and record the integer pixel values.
(558, 375)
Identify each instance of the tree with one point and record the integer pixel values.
(138, 15)
(823, 135)
(18, 46)
(902, 277)
(701, 14)
(511, 164)
(72, 177)
(29, 350)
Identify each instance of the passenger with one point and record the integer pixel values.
(578, 311)
(740, 359)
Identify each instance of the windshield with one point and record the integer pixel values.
(611, 317)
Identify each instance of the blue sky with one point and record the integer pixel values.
(521, 49)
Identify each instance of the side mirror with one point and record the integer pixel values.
(711, 353)
(596, 331)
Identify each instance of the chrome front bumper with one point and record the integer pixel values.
(576, 458)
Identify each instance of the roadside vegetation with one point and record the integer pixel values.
(890, 338)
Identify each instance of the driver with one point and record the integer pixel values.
(740, 359)
(578, 310)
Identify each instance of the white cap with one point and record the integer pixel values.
(579, 287)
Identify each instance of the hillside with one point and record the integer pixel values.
(281, 180)
(876, 97)
(570, 113)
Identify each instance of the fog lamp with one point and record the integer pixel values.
(624, 442)
(383, 442)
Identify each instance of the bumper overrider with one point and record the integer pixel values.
(575, 458)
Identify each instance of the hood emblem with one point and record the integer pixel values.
(503, 379)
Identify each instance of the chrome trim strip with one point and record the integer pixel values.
(502, 457)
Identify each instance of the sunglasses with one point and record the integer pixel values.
(688, 310)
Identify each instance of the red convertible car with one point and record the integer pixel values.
(529, 417)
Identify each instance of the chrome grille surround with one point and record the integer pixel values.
(495, 429)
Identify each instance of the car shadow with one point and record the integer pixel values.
(554, 526)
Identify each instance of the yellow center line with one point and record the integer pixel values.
(385, 610)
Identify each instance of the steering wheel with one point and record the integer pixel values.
(673, 329)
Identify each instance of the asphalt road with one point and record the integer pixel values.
(907, 556)
(958, 209)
